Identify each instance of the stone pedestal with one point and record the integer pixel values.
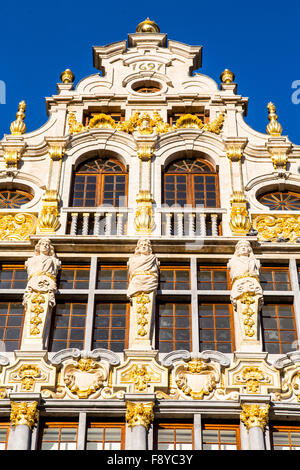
(246, 325)
(141, 321)
(36, 322)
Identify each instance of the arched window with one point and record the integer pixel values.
(99, 182)
(191, 181)
(281, 200)
(13, 199)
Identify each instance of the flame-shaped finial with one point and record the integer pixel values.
(18, 126)
(274, 128)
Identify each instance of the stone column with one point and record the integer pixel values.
(24, 415)
(139, 417)
(255, 417)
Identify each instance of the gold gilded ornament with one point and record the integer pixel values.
(102, 121)
(142, 311)
(18, 127)
(143, 221)
(239, 217)
(24, 413)
(227, 76)
(273, 128)
(255, 416)
(273, 227)
(49, 217)
(37, 309)
(147, 26)
(17, 227)
(253, 377)
(67, 76)
(139, 414)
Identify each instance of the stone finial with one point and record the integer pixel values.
(274, 128)
(18, 127)
(255, 416)
(139, 414)
(227, 76)
(67, 76)
(147, 26)
(142, 269)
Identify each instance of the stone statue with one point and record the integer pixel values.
(244, 271)
(142, 269)
(42, 269)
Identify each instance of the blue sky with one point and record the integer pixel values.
(257, 40)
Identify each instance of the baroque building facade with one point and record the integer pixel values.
(149, 250)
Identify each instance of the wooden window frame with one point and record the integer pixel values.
(274, 270)
(215, 329)
(223, 427)
(13, 268)
(110, 267)
(118, 425)
(6, 326)
(75, 268)
(95, 344)
(100, 182)
(213, 269)
(190, 183)
(7, 427)
(7, 205)
(173, 117)
(280, 330)
(288, 429)
(60, 425)
(67, 340)
(275, 193)
(158, 328)
(174, 268)
(113, 114)
(174, 427)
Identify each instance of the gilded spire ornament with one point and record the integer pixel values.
(67, 76)
(227, 76)
(147, 26)
(274, 128)
(18, 126)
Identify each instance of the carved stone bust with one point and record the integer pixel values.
(143, 269)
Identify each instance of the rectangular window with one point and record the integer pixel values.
(116, 116)
(111, 326)
(74, 277)
(4, 432)
(112, 276)
(285, 437)
(213, 278)
(173, 437)
(13, 276)
(204, 116)
(216, 327)
(59, 436)
(101, 436)
(274, 278)
(69, 326)
(11, 323)
(174, 326)
(279, 329)
(220, 437)
(174, 277)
